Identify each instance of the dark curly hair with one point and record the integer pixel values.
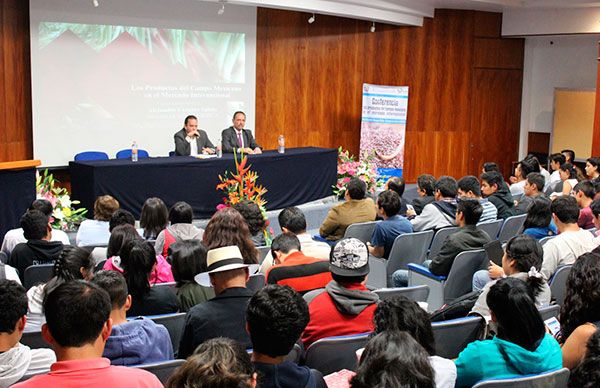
(253, 216)
(227, 227)
(587, 373)
(582, 299)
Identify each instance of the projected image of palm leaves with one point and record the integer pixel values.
(223, 52)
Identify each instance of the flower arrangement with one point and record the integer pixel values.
(242, 185)
(365, 169)
(65, 216)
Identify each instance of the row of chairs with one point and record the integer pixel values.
(100, 155)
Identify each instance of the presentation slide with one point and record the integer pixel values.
(103, 77)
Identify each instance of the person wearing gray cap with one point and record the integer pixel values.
(346, 306)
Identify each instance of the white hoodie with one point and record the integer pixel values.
(19, 360)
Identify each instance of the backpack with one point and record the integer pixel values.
(458, 308)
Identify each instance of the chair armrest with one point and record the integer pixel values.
(422, 270)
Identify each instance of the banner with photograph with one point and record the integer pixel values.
(383, 126)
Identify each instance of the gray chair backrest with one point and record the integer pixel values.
(256, 282)
(310, 295)
(333, 354)
(170, 285)
(262, 253)
(175, 324)
(3, 257)
(556, 379)
(296, 354)
(34, 340)
(558, 283)
(438, 239)
(416, 293)
(36, 274)
(511, 227)
(492, 228)
(408, 248)
(453, 336)
(459, 280)
(546, 239)
(315, 214)
(361, 230)
(163, 370)
(550, 311)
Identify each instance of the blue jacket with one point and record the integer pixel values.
(497, 358)
(139, 341)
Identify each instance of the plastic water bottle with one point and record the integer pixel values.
(281, 144)
(134, 151)
(219, 149)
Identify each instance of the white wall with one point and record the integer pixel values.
(567, 61)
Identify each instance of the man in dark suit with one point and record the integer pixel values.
(239, 139)
(192, 141)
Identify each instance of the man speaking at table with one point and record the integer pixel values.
(192, 141)
(239, 139)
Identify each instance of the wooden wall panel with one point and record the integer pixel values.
(15, 82)
(499, 53)
(596, 135)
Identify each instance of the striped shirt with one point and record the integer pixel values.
(490, 212)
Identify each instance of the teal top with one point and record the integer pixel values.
(497, 358)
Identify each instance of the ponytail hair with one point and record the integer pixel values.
(69, 266)
(137, 259)
(528, 255)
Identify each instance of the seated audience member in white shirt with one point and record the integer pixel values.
(571, 242)
(96, 231)
(15, 236)
(523, 169)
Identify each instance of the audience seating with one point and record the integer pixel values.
(171, 285)
(492, 228)
(36, 274)
(262, 253)
(511, 227)
(91, 155)
(310, 295)
(256, 282)
(296, 354)
(3, 258)
(361, 230)
(439, 238)
(407, 248)
(175, 324)
(126, 154)
(558, 283)
(453, 336)
(34, 340)
(555, 379)
(416, 293)
(458, 282)
(550, 311)
(162, 370)
(333, 354)
(546, 239)
(99, 254)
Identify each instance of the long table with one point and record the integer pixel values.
(299, 175)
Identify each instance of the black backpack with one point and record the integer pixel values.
(458, 308)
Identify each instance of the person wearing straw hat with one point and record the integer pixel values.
(224, 315)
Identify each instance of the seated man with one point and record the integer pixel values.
(440, 213)
(192, 141)
(134, 342)
(121, 217)
(571, 242)
(357, 208)
(469, 187)
(17, 359)
(39, 249)
(292, 220)
(77, 326)
(495, 190)
(276, 317)
(236, 138)
(222, 316)
(534, 186)
(467, 238)
(397, 184)
(555, 183)
(584, 195)
(524, 168)
(15, 236)
(346, 306)
(426, 191)
(393, 224)
(292, 268)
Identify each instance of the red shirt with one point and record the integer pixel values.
(300, 272)
(586, 218)
(327, 321)
(92, 373)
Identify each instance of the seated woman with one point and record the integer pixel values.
(188, 259)
(255, 220)
(393, 359)
(154, 217)
(568, 175)
(227, 227)
(180, 215)
(521, 347)
(74, 263)
(587, 373)
(538, 223)
(123, 234)
(139, 261)
(522, 260)
(580, 313)
(96, 231)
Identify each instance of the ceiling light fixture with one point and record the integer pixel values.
(312, 19)
(95, 3)
(221, 10)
